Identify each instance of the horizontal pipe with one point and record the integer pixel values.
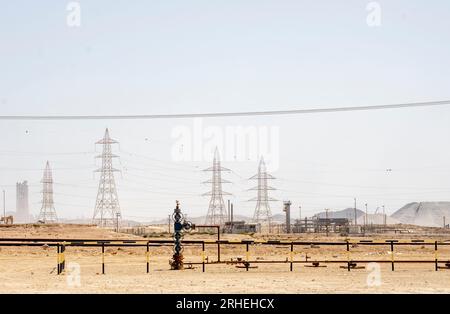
(243, 242)
(67, 244)
(319, 261)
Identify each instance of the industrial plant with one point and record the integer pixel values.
(283, 147)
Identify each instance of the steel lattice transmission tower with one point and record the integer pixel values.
(216, 211)
(262, 213)
(48, 212)
(107, 209)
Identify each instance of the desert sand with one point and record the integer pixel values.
(33, 269)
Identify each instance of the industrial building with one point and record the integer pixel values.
(316, 224)
(238, 227)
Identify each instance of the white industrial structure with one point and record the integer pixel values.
(107, 210)
(262, 213)
(216, 211)
(48, 212)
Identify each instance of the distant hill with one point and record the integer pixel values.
(429, 214)
(377, 219)
(349, 213)
(281, 218)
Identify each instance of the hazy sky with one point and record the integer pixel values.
(149, 57)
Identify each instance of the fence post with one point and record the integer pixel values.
(292, 254)
(203, 256)
(218, 244)
(247, 258)
(62, 258)
(103, 258)
(57, 259)
(436, 256)
(348, 256)
(392, 255)
(147, 255)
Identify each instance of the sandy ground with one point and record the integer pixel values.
(32, 269)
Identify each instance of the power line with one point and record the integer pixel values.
(364, 186)
(40, 169)
(158, 190)
(172, 164)
(10, 152)
(224, 114)
(149, 167)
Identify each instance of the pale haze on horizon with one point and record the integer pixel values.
(159, 57)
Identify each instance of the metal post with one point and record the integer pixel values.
(436, 256)
(392, 253)
(103, 258)
(203, 256)
(57, 260)
(348, 256)
(148, 258)
(218, 243)
(247, 258)
(292, 254)
(63, 260)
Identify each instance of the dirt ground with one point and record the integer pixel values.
(33, 269)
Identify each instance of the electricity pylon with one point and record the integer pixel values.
(48, 212)
(107, 209)
(216, 211)
(262, 213)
